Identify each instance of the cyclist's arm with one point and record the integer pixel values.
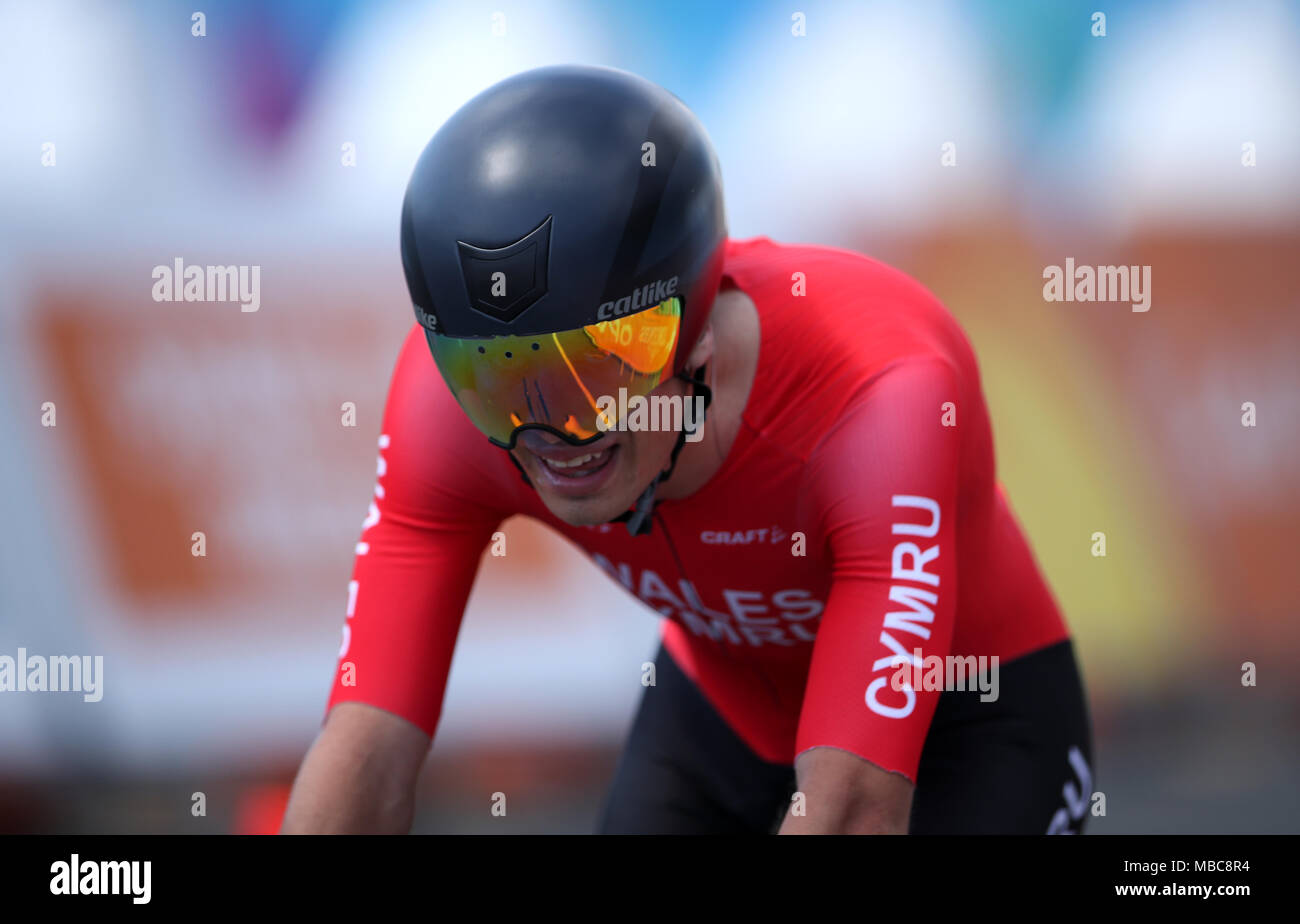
(436, 503)
(885, 487)
(359, 776)
(851, 796)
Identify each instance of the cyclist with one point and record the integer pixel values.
(782, 450)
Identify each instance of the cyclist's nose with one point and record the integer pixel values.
(538, 439)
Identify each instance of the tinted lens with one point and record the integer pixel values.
(556, 380)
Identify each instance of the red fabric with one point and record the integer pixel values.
(843, 440)
(260, 809)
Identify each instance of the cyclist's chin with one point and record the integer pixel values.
(588, 512)
(587, 494)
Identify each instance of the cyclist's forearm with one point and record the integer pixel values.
(359, 776)
(337, 795)
(840, 793)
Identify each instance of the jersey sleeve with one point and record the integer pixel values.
(433, 512)
(884, 482)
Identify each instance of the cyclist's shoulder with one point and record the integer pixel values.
(825, 307)
(430, 450)
(819, 274)
(837, 327)
(420, 406)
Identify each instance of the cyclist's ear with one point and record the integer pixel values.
(703, 351)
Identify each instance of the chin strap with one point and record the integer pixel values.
(638, 518)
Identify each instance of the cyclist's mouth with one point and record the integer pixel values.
(576, 473)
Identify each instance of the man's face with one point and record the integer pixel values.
(592, 484)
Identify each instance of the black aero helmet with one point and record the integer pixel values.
(562, 238)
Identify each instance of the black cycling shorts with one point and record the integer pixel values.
(1018, 765)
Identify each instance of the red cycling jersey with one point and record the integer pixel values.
(865, 445)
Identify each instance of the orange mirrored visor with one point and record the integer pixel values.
(557, 381)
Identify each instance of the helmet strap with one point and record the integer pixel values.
(638, 518)
(522, 474)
